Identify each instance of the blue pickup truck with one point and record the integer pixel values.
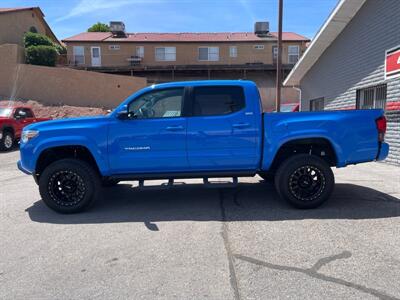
(201, 129)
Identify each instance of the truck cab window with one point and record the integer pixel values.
(158, 104)
(28, 112)
(217, 100)
(19, 114)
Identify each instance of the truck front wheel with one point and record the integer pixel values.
(69, 186)
(305, 181)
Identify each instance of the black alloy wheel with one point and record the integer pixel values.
(305, 181)
(69, 185)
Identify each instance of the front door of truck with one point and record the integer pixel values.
(153, 138)
(21, 118)
(222, 131)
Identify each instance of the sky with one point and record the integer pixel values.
(70, 17)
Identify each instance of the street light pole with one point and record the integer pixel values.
(279, 59)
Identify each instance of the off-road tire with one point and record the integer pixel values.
(305, 181)
(69, 186)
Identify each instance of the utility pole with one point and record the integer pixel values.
(279, 58)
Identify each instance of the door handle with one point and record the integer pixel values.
(174, 128)
(241, 125)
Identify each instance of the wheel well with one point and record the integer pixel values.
(316, 146)
(51, 155)
(8, 129)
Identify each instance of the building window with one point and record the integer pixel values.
(140, 51)
(259, 47)
(371, 97)
(114, 47)
(232, 51)
(317, 104)
(166, 54)
(275, 53)
(294, 54)
(33, 29)
(208, 53)
(79, 55)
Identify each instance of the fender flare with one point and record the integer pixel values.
(273, 149)
(65, 141)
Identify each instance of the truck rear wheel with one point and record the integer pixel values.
(7, 141)
(305, 181)
(69, 186)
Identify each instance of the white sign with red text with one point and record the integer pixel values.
(392, 63)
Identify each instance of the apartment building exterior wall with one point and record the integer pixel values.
(114, 54)
(16, 22)
(241, 55)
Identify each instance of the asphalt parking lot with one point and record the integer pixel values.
(189, 242)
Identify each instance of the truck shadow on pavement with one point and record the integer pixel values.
(247, 202)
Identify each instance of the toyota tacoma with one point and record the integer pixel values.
(201, 129)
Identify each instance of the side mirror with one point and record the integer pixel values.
(123, 115)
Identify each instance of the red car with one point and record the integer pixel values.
(12, 120)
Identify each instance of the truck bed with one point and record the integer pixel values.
(352, 133)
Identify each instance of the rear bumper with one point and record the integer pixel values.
(383, 151)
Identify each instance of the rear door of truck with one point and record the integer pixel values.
(223, 129)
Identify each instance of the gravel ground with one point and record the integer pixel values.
(189, 242)
(57, 111)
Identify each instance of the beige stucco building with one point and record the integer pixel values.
(162, 57)
(240, 50)
(15, 22)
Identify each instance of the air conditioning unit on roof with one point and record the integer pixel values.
(261, 28)
(117, 28)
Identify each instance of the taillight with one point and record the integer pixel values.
(381, 126)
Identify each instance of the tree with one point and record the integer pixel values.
(99, 27)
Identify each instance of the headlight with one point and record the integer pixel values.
(28, 135)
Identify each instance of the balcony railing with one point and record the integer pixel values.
(123, 62)
(134, 60)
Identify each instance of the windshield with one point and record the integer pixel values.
(5, 112)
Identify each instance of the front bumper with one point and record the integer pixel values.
(383, 151)
(22, 169)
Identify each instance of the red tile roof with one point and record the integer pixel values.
(183, 37)
(89, 37)
(14, 9)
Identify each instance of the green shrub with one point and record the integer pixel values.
(41, 55)
(61, 50)
(36, 39)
